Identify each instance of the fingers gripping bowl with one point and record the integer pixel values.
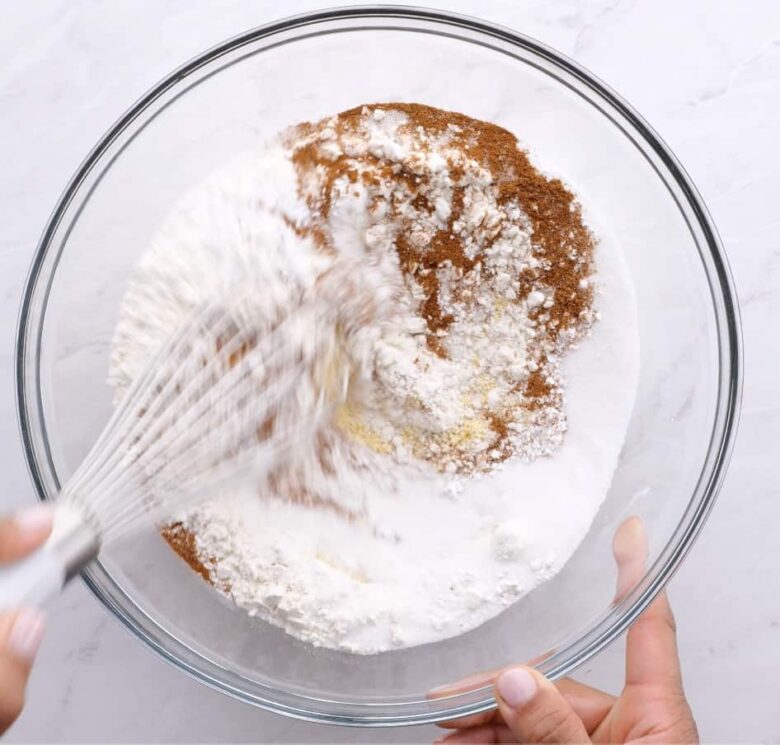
(636, 196)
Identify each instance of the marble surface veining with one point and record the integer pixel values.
(705, 74)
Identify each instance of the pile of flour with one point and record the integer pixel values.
(406, 524)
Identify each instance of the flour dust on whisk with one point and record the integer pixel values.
(220, 403)
(232, 396)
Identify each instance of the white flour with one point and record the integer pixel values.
(373, 542)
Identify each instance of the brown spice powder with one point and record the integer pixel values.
(500, 426)
(537, 388)
(182, 541)
(562, 244)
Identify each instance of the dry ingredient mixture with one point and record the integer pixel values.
(446, 486)
(496, 262)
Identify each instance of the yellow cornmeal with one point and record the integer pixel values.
(484, 384)
(499, 306)
(348, 421)
(476, 395)
(469, 430)
(451, 443)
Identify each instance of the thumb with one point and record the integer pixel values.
(24, 532)
(535, 710)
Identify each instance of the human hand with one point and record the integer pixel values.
(21, 630)
(651, 708)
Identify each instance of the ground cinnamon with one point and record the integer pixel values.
(562, 245)
(182, 541)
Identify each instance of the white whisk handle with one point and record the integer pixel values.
(38, 577)
(31, 581)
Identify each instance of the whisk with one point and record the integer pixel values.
(222, 401)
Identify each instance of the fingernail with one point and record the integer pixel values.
(26, 634)
(34, 519)
(516, 687)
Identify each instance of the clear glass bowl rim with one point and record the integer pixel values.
(564, 661)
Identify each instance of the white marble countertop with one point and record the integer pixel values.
(705, 74)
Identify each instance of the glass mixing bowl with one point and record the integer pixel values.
(231, 98)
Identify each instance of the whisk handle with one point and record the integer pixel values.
(41, 575)
(31, 581)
